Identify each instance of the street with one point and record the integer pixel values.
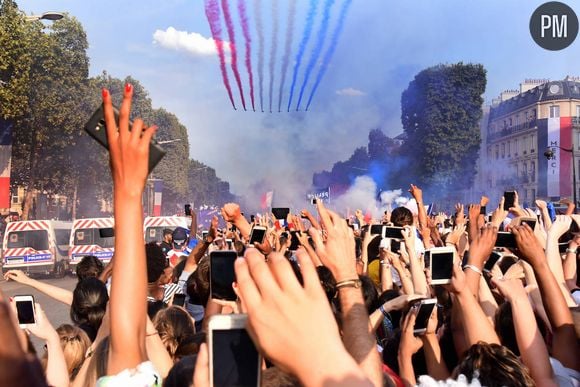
(57, 312)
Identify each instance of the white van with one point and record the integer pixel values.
(36, 246)
(93, 236)
(153, 226)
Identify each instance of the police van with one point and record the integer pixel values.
(153, 226)
(93, 236)
(36, 246)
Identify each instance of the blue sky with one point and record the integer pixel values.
(383, 45)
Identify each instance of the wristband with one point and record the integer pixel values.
(571, 251)
(351, 283)
(474, 268)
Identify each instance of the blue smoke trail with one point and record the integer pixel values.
(305, 37)
(316, 51)
(330, 51)
(260, 30)
(274, 47)
(288, 47)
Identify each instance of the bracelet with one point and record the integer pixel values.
(474, 268)
(385, 263)
(351, 283)
(571, 251)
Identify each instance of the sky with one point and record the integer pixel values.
(167, 46)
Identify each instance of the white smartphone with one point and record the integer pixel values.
(257, 235)
(425, 309)
(26, 310)
(441, 264)
(233, 357)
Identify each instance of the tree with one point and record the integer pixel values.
(441, 110)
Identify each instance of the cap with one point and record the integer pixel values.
(179, 237)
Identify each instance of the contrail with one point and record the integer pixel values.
(305, 37)
(330, 51)
(248, 40)
(232, 36)
(260, 30)
(274, 47)
(212, 12)
(316, 51)
(287, 48)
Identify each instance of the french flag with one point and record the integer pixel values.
(157, 196)
(555, 175)
(5, 162)
(266, 200)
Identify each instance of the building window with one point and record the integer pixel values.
(509, 153)
(517, 119)
(510, 120)
(524, 170)
(533, 172)
(503, 150)
(525, 145)
(496, 151)
(577, 110)
(533, 143)
(504, 124)
(527, 116)
(554, 111)
(516, 150)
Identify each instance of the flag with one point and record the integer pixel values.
(5, 162)
(266, 200)
(157, 196)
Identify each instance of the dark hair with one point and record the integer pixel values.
(181, 374)
(197, 284)
(389, 295)
(494, 365)
(402, 216)
(327, 281)
(504, 327)
(174, 326)
(89, 266)
(155, 261)
(155, 306)
(275, 377)
(370, 293)
(89, 304)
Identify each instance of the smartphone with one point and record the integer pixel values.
(26, 310)
(257, 235)
(96, 128)
(396, 246)
(427, 258)
(482, 210)
(506, 262)
(233, 357)
(179, 299)
(529, 221)
(294, 241)
(509, 199)
(313, 201)
(425, 309)
(394, 232)
(441, 264)
(491, 261)
(230, 243)
(204, 234)
(506, 239)
(187, 210)
(281, 213)
(378, 229)
(222, 274)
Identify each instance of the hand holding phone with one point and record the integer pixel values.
(509, 200)
(441, 264)
(26, 310)
(257, 235)
(422, 320)
(222, 274)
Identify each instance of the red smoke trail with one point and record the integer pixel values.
(232, 36)
(248, 39)
(212, 12)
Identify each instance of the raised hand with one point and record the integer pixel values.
(499, 214)
(528, 246)
(559, 226)
(460, 216)
(417, 193)
(231, 212)
(474, 210)
(17, 276)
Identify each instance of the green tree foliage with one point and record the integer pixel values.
(441, 110)
(205, 187)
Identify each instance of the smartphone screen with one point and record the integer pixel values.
(441, 267)
(425, 310)
(222, 275)
(295, 243)
(506, 263)
(483, 210)
(377, 229)
(395, 246)
(280, 213)
(96, 128)
(25, 310)
(187, 210)
(179, 299)
(529, 222)
(506, 239)
(235, 358)
(491, 261)
(257, 235)
(394, 232)
(510, 199)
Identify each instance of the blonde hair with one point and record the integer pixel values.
(174, 326)
(74, 343)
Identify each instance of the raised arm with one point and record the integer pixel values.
(199, 250)
(422, 214)
(129, 154)
(231, 213)
(417, 274)
(559, 227)
(59, 294)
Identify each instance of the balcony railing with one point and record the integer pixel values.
(514, 129)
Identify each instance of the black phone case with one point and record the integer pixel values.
(95, 127)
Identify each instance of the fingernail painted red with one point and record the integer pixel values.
(105, 92)
(128, 87)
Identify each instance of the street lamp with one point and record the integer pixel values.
(49, 15)
(549, 153)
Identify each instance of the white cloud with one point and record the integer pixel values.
(350, 92)
(191, 42)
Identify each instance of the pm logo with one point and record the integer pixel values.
(554, 26)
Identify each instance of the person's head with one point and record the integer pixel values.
(156, 262)
(370, 293)
(89, 266)
(155, 306)
(174, 326)
(402, 216)
(179, 237)
(275, 377)
(74, 342)
(167, 235)
(494, 366)
(89, 305)
(181, 374)
(198, 284)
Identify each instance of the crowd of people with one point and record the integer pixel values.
(339, 307)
